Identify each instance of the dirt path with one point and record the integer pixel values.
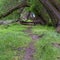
(30, 50)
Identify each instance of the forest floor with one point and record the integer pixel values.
(19, 42)
(31, 48)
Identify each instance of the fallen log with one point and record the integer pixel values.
(31, 23)
(7, 22)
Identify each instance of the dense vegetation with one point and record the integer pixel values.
(12, 38)
(29, 20)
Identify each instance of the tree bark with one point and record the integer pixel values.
(53, 10)
(56, 4)
(50, 7)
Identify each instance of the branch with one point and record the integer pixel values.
(23, 4)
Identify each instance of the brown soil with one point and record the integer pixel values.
(30, 50)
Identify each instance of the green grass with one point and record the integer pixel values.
(44, 48)
(13, 37)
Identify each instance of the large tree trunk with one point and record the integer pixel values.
(52, 10)
(56, 4)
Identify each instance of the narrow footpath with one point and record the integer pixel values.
(30, 50)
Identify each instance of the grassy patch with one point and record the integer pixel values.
(44, 48)
(12, 38)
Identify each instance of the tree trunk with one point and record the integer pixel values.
(52, 9)
(56, 3)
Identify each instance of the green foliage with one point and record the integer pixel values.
(44, 48)
(6, 5)
(14, 37)
(10, 39)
